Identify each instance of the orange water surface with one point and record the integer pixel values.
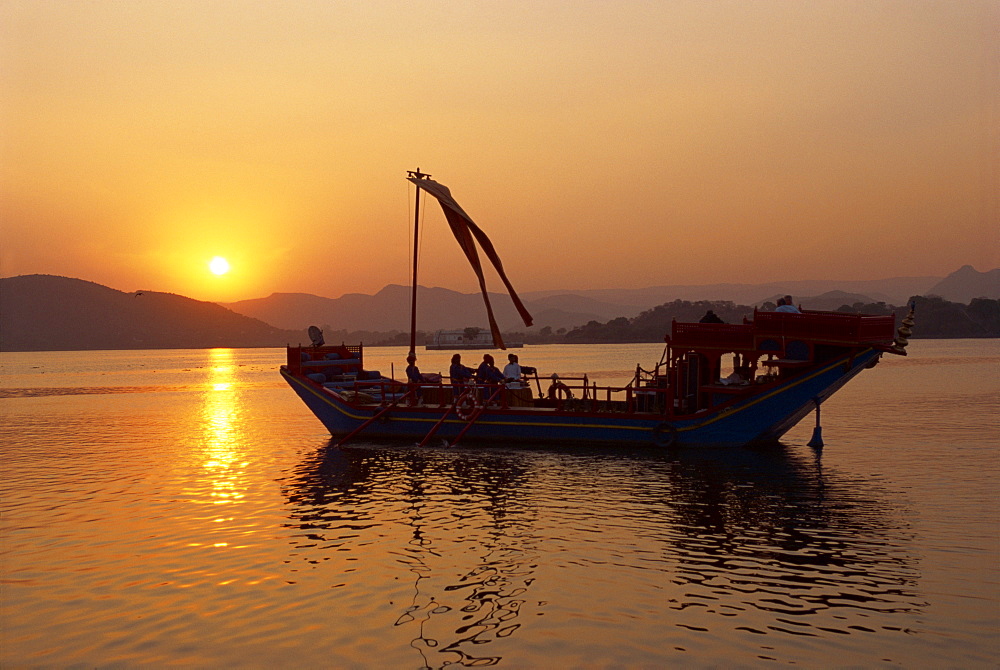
(183, 508)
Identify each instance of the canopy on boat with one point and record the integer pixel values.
(467, 233)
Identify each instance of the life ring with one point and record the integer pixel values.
(559, 391)
(465, 407)
(664, 435)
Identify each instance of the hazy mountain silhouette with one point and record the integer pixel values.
(437, 308)
(389, 309)
(895, 290)
(49, 313)
(45, 312)
(967, 283)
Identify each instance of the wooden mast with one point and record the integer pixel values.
(415, 174)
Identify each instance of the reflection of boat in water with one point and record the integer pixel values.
(351, 502)
(489, 550)
(783, 366)
(469, 338)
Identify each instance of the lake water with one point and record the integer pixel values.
(182, 508)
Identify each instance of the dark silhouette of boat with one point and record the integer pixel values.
(716, 383)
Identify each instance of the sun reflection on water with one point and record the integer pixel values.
(221, 430)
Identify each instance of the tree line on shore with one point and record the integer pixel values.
(935, 318)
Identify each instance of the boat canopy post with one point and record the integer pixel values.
(415, 174)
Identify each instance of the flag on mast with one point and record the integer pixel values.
(467, 233)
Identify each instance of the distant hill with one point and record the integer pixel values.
(967, 283)
(895, 290)
(438, 308)
(44, 312)
(48, 313)
(389, 309)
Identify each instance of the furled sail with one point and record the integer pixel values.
(467, 233)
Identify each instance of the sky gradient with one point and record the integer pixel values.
(599, 144)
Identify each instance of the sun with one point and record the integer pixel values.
(218, 265)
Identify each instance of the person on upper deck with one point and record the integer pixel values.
(786, 305)
(487, 372)
(711, 317)
(512, 372)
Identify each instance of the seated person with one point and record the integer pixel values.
(711, 317)
(414, 377)
(487, 372)
(785, 305)
(460, 374)
(412, 371)
(512, 373)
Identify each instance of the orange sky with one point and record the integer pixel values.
(600, 144)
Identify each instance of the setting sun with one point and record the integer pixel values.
(219, 265)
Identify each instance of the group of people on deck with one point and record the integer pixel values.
(486, 373)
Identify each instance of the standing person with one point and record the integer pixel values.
(512, 372)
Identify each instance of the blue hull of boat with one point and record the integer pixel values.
(761, 418)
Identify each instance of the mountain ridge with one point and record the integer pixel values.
(47, 312)
(51, 313)
(440, 308)
(967, 283)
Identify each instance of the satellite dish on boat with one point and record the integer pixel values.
(316, 335)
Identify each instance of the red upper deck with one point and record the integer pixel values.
(812, 326)
(827, 327)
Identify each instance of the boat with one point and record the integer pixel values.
(716, 384)
(469, 338)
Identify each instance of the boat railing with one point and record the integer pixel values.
(335, 359)
(656, 377)
(649, 394)
(724, 336)
(386, 391)
(580, 395)
(820, 326)
(812, 325)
